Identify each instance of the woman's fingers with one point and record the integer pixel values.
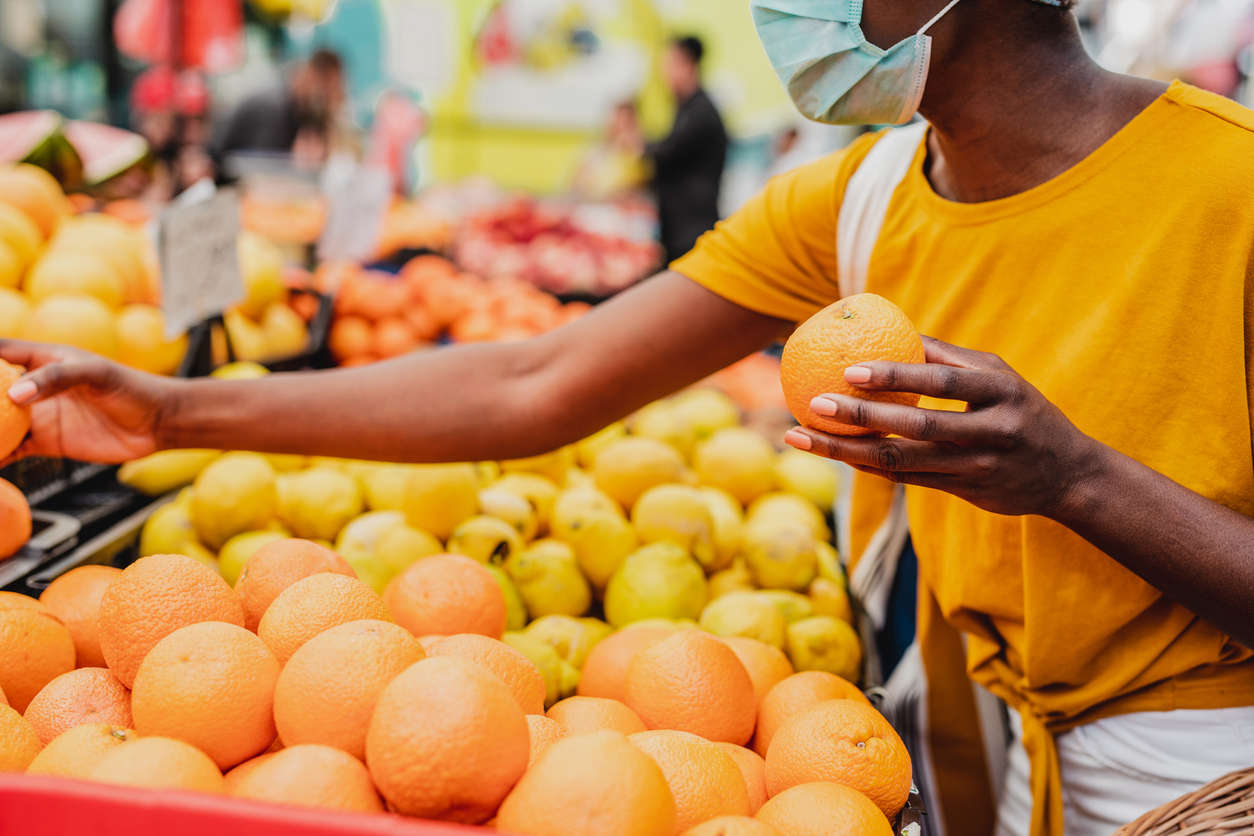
(898, 419)
(886, 454)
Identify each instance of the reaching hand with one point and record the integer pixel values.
(83, 406)
(1011, 452)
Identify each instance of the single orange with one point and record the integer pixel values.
(350, 336)
(801, 690)
(447, 594)
(237, 774)
(14, 419)
(447, 741)
(605, 671)
(753, 769)
(393, 337)
(19, 744)
(35, 648)
(580, 715)
(845, 741)
(857, 329)
(152, 598)
(276, 566)
(766, 664)
(75, 753)
(159, 763)
(594, 784)
(311, 776)
(823, 808)
(693, 682)
(86, 695)
(210, 685)
(733, 826)
(518, 672)
(704, 780)
(313, 605)
(15, 519)
(328, 689)
(75, 599)
(544, 732)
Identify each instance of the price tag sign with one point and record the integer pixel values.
(200, 273)
(355, 220)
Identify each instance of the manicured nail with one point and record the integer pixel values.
(857, 374)
(823, 406)
(798, 439)
(23, 391)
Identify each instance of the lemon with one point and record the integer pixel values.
(573, 502)
(552, 466)
(661, 421)
(659, 580)
(677, 514)
(488, 472)
(728, 522)
(543, 657)
(587, 450)
(399, 548)
(568, 679)
(601, 541)
(385, 485)
(14, 308)
(744, 614)
(247, 339)
(240, 370)
(792, 605)
(670, 624)
(486, 539)
(829, 563)
(234, 493)
(515, 606)
(538, 490)
(815, 478)
(571, 637)
(549, 579)
(286, 462)
(236, 551)
(142, 343)
(360, 537)
(11, 267)
(166, 530)
(630, 466)
(780, 504)
(319, 502)
(512, 508)
(197, 552)
(830, 598)
(261, 266)
(165, 470)
(284, 331)
(780, 554)
(739, 461)
(277, 526)
(735, 578)
(440, 497)
(823, 643)
(706, 411)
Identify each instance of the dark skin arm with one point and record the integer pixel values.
(1013, 452)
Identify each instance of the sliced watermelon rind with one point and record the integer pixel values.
(22, 134)
(106, 151)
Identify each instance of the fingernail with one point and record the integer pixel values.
(823, 406)
(23, 391)
(857, 374)
(798, 439)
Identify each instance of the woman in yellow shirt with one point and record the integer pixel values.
(1084, 522)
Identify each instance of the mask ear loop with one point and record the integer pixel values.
(923, 58)
(938, 16)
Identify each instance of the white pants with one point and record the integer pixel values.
(1117, 769)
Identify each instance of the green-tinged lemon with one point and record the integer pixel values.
(780, 554)
(630, 466)
(385, 485)
(234, 493)
(587, 449)
(440, 497)
(515, 606)
(659, 580)
(549, 579)
(400, 547)
(166, 530)
(815, 478)
(571, 637)
(792, 605)
(512, 508)
(744, 614)
(830, 598)
(486, 539)
(235, 553)
(601, 541)
(823, 643)
(707, 411)
(543, 657)
(360, 537)
(320, 501)
(677, 514)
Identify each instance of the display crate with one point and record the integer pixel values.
(198, 362)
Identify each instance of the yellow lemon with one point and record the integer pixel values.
(319, 502)
(571, 637)
(815, 478)
(780, 554)
(659, 580)
(486, 539)
(744, 614)
(236, 551)
(515, 607)
(587, 450)
(543, 657)
(630, 466)
(385, 485)
(14, 311)
(735, 578)
(552, 466)
(261, 268)
(166, 530)
(440, 497)
(706, 411)
(549, 580)
(233, 494)
(678, 514)
(142, 343)
(739, 461)
(780, 504)
(359, 539)
(61, 271)
(830, 598)
(74, 319)
(10, 266)
(240, 370)
(539, 491)
(512, 508)
(792, 605)
(823, 643)
(660, 420)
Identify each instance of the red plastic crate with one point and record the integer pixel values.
(36, 805)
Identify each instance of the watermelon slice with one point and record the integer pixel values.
(34, 136)
(106, 151)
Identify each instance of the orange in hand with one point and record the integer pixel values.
(14, 419)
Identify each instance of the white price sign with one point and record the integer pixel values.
(355, 220)
(200, 273)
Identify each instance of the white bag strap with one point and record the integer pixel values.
(866, 203)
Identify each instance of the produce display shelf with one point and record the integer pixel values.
(43, 806)
(198, 361)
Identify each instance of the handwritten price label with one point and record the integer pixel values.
(200, 272)
(356, 216)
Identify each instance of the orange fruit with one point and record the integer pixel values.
(704, 781)
(244, 769)
(845, 741)
(605, 670)
(311, 776)
(36, 193)
(447, 594)
(328, 689)
(15, 519)
(350, 336)
(693, 682)
(75, 753)
(210, 685)
(393, 337)
(35, 648)
(518, 673)
(447, 741)
(823, 808)
(19, 744)
(86, 695)
(580, 715)
(14, 419)
(276, 566)
(3, 699)
(801, 690)
(544, 732)
(313, 605)
(753, 769)
(590, 785)
(766, 664)
(159, 763)
(152, 598)
(857, 329)
(75, 599)
(733, 826)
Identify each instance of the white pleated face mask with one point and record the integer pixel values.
(832, 73)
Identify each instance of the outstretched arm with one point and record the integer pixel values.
(458, 404)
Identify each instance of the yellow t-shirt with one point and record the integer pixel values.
(1122, 290)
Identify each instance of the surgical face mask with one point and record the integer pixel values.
(832, 73)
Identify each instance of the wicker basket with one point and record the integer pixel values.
(1221, 808)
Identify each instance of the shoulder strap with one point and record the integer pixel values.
(866, 202)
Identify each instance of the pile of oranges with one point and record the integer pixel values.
(303, 686)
